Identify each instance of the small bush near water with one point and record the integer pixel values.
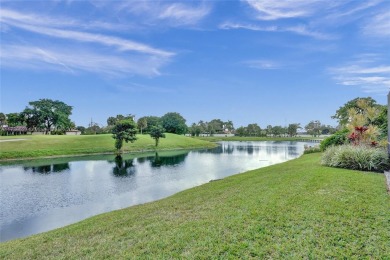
(360, 157)
(311, 149)
(338, 138)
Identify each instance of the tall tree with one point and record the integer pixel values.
(48, 113)
(142, 123)
(253, 129)
(156, 133)
(241, 131)
(150, 122)
(3, 119)
(174, 123)
(113, 120)
(229, 126)
(292, 129)
(277, 130)
(14, 119)
(124, 131)
(342, 113)
(216, 125)
(313, 128)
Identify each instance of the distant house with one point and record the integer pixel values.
(73, 132)
(15, 130)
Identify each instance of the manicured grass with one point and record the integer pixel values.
(253, 138)
(298, 209)
(42, 146)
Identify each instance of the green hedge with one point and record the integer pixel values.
(338, 138)
(361, 157)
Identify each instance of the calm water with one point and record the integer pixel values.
(38, 196)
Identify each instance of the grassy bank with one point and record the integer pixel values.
(297, 209)
(252, 138)
(58, 145)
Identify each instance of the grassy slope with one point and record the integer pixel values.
(297, 209)
(40, 145)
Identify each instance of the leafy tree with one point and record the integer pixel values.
(113, 120)
(269, 130)
(253, 130)
(3, 119)
(313, 128)
(361, 127)
(124, 130)
(277, 130)
(216, 125)
(195, 130)
(174, 123)
(150, 122)
(241, 131)
(156, 133)
(48, 113)
(229, 126)
(381, 121)
(14, 119)
(82, 129)
(94, 129)
(292, 129)
(142, 123)
(342, 113)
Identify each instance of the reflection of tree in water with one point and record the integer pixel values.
(60, 167)
(158, 161)
(227, 148)
(123, 168)
(293, 151)
(47, 169)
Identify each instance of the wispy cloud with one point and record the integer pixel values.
(184, 14)
(170, 13)
(23, 21)
(135, 87)
(371, 76)
(273, 10)
(11, 16)
(379, 25)
(107, 54)
(39, 58)
(299, 29)
(263, 64)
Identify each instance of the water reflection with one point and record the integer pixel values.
(159, 161)
(47, 169)
(32, 203)
(123, 168)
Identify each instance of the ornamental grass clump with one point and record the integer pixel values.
(357, 157)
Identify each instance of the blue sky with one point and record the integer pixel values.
(265, 62)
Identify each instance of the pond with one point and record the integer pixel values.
(42, 195)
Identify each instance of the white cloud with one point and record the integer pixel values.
(74, 61)
(184, 14)
(262, 64)
(168, 13)
(15, 19)
(370, 76)
(273, 10)
(106, 54)
(300, 29)
(379, 25)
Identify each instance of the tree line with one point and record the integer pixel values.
(52, 116)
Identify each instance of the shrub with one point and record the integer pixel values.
(338, 138)
(359, 157)
(310, 149)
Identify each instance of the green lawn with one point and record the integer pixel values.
(57, 145)
(298, 209)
